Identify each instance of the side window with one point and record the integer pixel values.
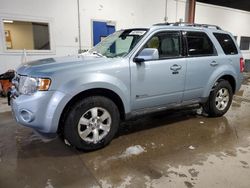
(167, 43)
(199, 44)
(226, 43)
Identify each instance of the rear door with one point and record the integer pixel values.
(202, 61)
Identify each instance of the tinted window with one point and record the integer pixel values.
(199, 44)
(167, 43)
(244, 43)
(226, 43)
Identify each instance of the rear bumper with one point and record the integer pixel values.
(38, 111)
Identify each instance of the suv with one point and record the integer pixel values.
(131, 72)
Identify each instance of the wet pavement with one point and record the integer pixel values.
(176, 148)
(4, 105)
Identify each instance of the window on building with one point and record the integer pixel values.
(226, 43)
(167, 43)
(21, 35)
(199, 44)
(245, 43)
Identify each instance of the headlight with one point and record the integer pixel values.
(29, 85)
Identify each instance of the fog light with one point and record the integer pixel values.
(26, 116)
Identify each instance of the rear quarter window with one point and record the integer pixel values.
(226, 43)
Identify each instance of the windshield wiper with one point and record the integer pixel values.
(98, 54)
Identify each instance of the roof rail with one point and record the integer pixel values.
(189, 24)
(160, 24)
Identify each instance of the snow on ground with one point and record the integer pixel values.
(129, 152)
(48, 184)
(191, 147)
(132, 150)
(125, 183)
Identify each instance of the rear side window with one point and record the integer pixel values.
(199, 44)
(226, 43)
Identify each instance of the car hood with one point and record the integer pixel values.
(50, 66)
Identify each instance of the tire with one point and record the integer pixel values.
(91, 123)
(219, 100)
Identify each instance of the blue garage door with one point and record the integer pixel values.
(101, 30)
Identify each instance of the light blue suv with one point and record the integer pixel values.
(130, 72)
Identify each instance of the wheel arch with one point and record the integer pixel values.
(93, 92)
(231, 80)
(230, 76)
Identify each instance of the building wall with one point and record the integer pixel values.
(126, 14)
(235, 21)
(62, 16)
(63, 21)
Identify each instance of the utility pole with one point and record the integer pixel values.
(191, 11)
(79, 27)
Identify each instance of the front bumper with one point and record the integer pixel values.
(40, 111)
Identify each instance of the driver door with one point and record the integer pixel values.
(159, 82)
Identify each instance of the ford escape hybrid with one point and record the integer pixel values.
(84, 97)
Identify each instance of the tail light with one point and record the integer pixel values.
(242, 64)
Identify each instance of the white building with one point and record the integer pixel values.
(59, 19)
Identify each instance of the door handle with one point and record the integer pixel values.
(213, 63)
(175, 67)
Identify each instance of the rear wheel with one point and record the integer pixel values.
(92, 123)
(219, 100)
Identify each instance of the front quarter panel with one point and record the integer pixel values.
(98, 80)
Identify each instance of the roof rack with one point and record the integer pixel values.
(189, 24)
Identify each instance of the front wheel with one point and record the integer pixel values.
(219, 100)
(92, 123)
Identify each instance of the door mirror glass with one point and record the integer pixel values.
(147, 54)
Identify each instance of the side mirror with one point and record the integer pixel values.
(147, 54)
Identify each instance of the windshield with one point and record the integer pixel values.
(119, 43)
